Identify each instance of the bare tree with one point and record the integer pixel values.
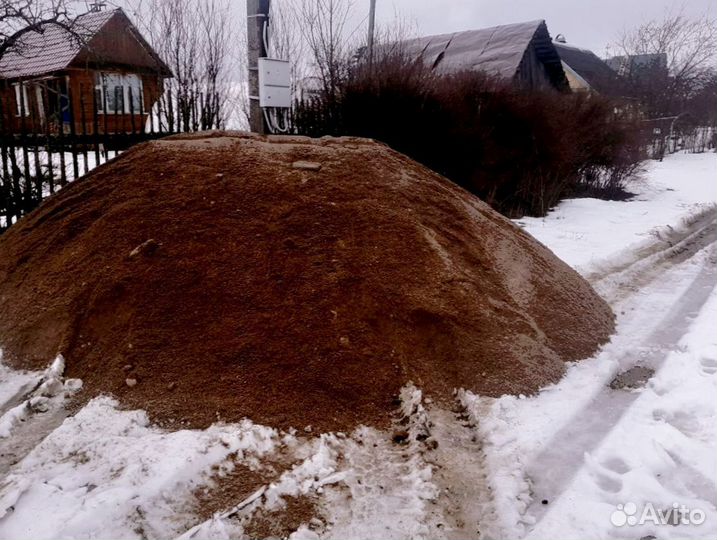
(195, 38)
(323, 25)
(20, 17)
(667, 61)
(216, 39)
(286, 39)
(19, 193)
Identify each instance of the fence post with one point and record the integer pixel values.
(27, 199)
(7, 194)
(73, 147)
(104, 119)
(61, 136)
(131, 115)
(45, 94)
(95, 126)
(117, 131)
(84, 129)
(36, 149)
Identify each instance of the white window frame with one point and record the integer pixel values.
(126, 80)
(18, 100)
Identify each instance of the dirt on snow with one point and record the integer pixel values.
(289, 280)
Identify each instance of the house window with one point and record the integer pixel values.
(117, 92)
(22, 105)
(133, 91)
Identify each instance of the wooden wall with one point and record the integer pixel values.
(532, 73)
(82, 90)
(82, 93)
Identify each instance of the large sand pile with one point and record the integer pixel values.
(226, 275)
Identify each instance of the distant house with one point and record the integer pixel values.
(585, 71)
(523, 53)
(57, 80)
(633, 65)
(309, 88)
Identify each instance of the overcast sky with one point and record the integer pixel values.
(591, 24)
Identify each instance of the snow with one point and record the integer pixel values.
(12, 383)
(48, 385)
(587, 447)
(585, 232)
(369, 487)
(107, 473)
(661, 451)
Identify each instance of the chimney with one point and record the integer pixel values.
(97, 5)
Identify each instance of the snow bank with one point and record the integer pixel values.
(561, 462)
(39, 389)
(108, 473)
(585, 232)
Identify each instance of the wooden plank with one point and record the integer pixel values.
(73, 148)
(83, 122)
(61, 137)
(45, 94)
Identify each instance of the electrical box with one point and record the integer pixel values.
(274, 83)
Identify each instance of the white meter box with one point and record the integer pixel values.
(274, 83)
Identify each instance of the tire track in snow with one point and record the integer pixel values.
(33, 412)
(620, 280)
(28, 434)
(464, 502)
(563, 455)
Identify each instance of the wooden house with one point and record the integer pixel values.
(522, 53)
(102, 76)
(586, 72)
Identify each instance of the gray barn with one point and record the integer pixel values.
(521, 52)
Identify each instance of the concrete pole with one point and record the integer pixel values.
(371, 21)
(257, 12)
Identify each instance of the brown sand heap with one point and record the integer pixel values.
(290, 280)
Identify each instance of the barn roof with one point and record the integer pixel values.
(55, 48)
(587, 65)
(498, 50)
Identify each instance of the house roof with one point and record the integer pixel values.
(55, 48)
(498, 50)
(625, 65)
(586, 64)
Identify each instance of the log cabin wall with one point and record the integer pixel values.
(81, 85)
(12, 120)
(82, 90)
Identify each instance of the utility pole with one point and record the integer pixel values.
(371, 20)
(257, 13)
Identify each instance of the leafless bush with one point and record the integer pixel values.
(519, 151)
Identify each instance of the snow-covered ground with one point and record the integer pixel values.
(617, 449)
(629, 434)
(586, 233)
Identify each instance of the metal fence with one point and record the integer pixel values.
(49, 137)
(668, 135)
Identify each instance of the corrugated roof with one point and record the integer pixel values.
(497, 50)
(53, 49)
(588, 66)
